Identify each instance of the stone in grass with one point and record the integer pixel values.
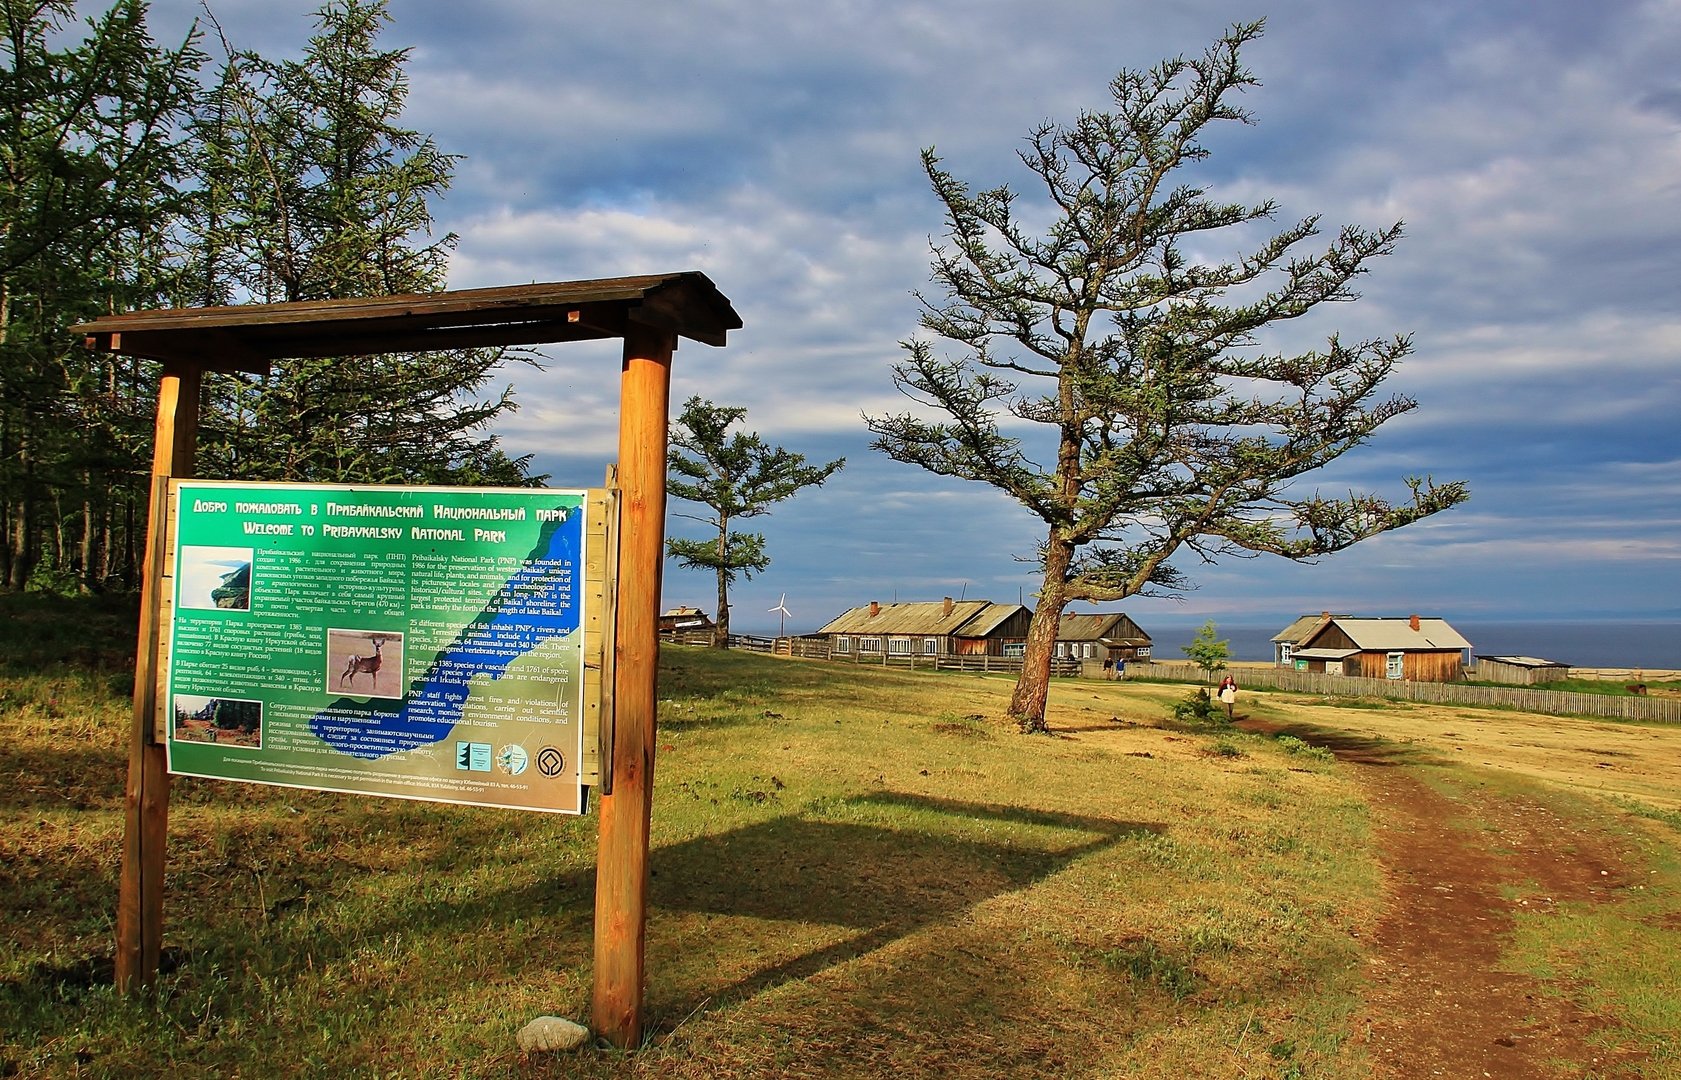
(552, 1033)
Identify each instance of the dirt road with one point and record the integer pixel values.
(1440, 1003)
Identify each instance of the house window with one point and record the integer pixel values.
(1091, 650)
(1284, 651)
(869, 644)
(899, 646)
(1015, 648)
(1394, 665)
(843, 644)
(930, 646)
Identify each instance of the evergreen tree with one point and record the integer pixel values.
(90, 176)
(735, 476)
(1166, 427)
(312, 190)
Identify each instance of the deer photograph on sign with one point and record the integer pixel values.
(360, 659)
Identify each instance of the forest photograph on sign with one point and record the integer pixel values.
(423, 643)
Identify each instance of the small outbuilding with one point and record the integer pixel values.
(1414, 648)
(1520, 670)
(933, 628)
(1099, 636)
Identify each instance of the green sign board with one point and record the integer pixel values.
(424, 643)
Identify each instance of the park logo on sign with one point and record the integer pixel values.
(472, 756)
(512, 759)
(550, 761)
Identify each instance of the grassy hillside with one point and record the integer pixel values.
(856, 872)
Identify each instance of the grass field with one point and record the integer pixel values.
(856, 872)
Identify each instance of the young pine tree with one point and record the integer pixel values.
(734, 475)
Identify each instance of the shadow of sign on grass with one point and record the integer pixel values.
(1346, 745)
(821, 889)
(732, 913)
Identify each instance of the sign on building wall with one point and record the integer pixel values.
(424, 643)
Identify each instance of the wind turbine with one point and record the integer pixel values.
(782, 606)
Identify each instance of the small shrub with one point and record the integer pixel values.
(53, 581)
(1307, 750)
(1199, 708)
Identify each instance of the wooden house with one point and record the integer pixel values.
(1285, 641)
(1520, 670)
(1098, 636)
(935, 628)
(1419, 649)
(685, 620)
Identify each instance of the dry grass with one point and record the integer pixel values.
(1621, 760)
(856, 873)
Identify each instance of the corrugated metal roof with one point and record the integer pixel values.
(990, 619)
(1097, 626)
(1524, 661)
(1304, 626)
(1084, 627)
(1392, 635)
(928, 617)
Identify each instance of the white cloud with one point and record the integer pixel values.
(1534, 150)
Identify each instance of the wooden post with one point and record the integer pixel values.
(146, 800)
(621, 882)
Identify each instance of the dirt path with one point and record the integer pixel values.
(1439, 1003)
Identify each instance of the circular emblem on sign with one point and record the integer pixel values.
(550, 762)
(512, 759)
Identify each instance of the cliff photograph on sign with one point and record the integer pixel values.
(215, 578)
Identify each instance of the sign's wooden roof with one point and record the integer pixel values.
(246, 337)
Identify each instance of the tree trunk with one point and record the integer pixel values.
(88, 553)
(22, 537)
(721, 628)
(1027, 704)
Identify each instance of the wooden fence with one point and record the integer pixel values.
(1524, 698)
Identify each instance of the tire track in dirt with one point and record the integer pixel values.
(1438, 1003)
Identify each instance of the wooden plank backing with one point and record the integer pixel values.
(600, 574)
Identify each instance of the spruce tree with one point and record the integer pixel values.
(91, 176)
(313, 190)
(735, 475)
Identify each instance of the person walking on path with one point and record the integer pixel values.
(1228, 694)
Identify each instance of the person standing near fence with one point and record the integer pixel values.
(1228, 694)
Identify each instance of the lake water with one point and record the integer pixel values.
(1579, 644)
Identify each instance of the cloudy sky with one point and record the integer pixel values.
(1532, 148)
